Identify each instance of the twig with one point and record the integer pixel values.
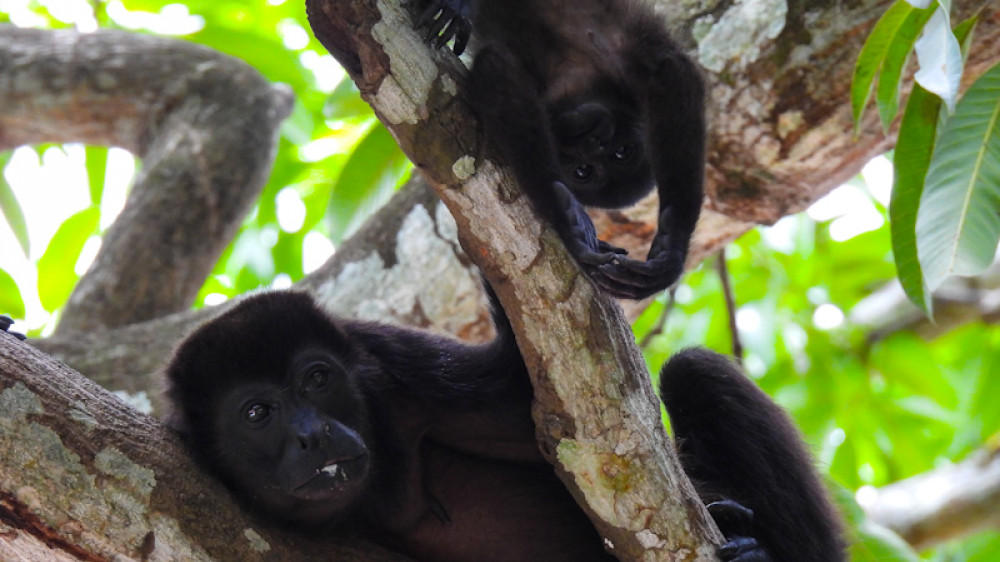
(727, 292)
(661, 322)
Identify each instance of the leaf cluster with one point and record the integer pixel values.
(945, 207)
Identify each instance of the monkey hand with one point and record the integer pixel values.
(633, 279)
(5, 323)
(581, 239)
(444, 20)
(736, 523)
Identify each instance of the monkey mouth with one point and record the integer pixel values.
(338, 470)
(339, 466)
(337, 480)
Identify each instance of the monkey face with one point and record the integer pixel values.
(601, 154)
(296, 444)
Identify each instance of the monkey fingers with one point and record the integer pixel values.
(581, 237)
(629, 279)
(443, 21)
(736, 523)
(605, 247)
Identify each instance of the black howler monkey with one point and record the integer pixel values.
(427, 444)
(589, 101)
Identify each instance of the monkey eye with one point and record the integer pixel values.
(317, 377)
(583, 172)
(256, 413)
(623, 152)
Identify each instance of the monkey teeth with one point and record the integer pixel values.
(330, 469)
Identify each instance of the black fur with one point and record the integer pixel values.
(435, 446)
(737, 445)
(592, 103)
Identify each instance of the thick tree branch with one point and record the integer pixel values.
(596, 414)
(944, 504)
(785, 141)
(380, 273)
(204, 124)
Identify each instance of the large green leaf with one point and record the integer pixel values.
(897, 53)
(11, 302)
(11, 210)
(939, 55)
(914, 148)
(372, 171)
(56, 277)
(958, 223)
(912, 157)
(897, 25)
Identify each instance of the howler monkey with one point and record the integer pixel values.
(590, 102)
(427, 444)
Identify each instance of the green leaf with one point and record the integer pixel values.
(873, 55)
(373, 169)
(97, 165)
(911, 159)
(11, 210)
(11, 302)
(939, 55)
(958, 223)
(56, 277)
(897, 53)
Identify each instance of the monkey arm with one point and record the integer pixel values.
(513, 116)
(673, 101)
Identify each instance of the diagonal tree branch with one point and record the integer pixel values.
(596, 414)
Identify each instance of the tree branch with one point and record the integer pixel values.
(596, 414)
(944, 504)
(379, 273)
(205, 125)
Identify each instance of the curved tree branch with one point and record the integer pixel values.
(379, 273)
(204, 124)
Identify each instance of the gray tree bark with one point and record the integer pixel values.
(204, 124)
